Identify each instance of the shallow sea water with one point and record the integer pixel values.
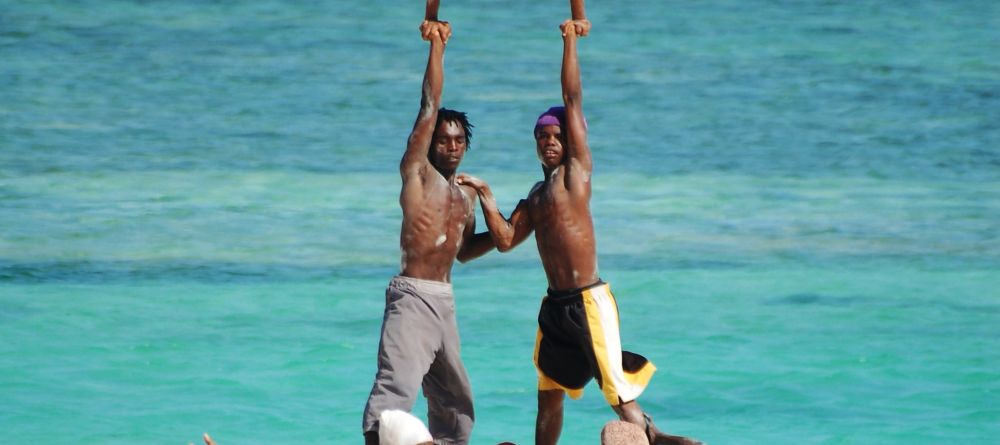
(797, 206)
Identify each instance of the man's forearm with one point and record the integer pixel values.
(434, 74)
(570, 74)
(477, 246)
(500, 228)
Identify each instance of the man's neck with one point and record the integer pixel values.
(449, 175)
(549, 171)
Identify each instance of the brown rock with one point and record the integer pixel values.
(617, 432)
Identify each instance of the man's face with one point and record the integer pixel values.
(549, 145)
(448, 146)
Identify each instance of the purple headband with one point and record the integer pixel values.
(553, 116)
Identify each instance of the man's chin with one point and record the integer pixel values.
(446, 164)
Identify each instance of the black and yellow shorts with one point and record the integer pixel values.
(578, 340)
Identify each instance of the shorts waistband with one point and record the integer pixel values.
(429, 286)
(563, 295)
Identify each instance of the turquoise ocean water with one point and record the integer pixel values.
(797, 205)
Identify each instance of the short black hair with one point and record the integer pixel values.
(446, 115)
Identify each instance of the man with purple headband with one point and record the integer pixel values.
(578, 336)
(419, 344)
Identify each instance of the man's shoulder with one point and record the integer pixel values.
(535, 188)
(414, 169)
(469, 191)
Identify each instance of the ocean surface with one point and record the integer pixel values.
(797, 205)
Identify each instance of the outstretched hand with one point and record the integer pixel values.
(430, 28)
(579, 27)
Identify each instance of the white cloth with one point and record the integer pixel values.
(401, 428)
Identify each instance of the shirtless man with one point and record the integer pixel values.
(419, 345)
(578, 336)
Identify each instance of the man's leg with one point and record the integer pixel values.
(631, 412)
(548, 423)
(404, 356)
(450, 413)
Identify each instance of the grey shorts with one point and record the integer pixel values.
(419, 349)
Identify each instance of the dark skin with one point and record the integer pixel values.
(438, 213)
(557, 210)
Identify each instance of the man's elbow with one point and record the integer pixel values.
(504, 246)
(572, 97)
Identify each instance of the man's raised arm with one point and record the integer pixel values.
(419, 142)
(577, 149)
